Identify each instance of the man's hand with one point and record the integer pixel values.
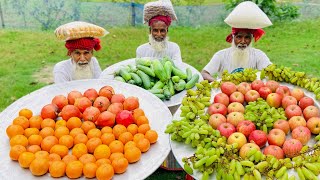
(207, 76)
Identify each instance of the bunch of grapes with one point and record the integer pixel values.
(247, 75)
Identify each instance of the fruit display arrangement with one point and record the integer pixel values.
(160, 77)
(95, 134)
(251, 130)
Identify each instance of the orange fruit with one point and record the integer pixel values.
(30, 131)
(66, 140)
(116, 155)
(105, 172)
(34, 148)
(42, 155)
(152, 136)
(99, 162)
(107, 138)
(137, 113)
(69, 158)
(15, 151)
(120, 165)
(116, 146)
(54, 157)
(74, 122)
(13, 130)
(35, 122)
(80, 138)
(106, 129)
(132, 154)
(26, 113)
(137, 137)
(125, 137)
(102, 151)
(76, 131)
(60, 123)
(39, 166)
(94, 133)
(87, 125)
(22, 121)
(60, 131)
(57, 169)
(118, 129)
(47, 131)
(48, 142)
(59, 149)
(93, 143)
(133, 129)
(89, 170)
(142, 120)
(74, 169)
(19, 140)
(48, 123)
(129, 144)
(143, 145)
(143, 128)
(87, 158)
(79, 149)
(35, 139)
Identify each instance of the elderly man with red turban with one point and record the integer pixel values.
(240, 55)
(159, 45)
(82, 64)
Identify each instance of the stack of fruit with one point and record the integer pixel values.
(160, 77)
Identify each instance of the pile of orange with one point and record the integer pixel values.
(77, 148)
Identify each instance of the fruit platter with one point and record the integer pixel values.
(55, 132)
(249, 128)
(164, 78)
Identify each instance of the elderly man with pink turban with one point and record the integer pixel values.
(159, 45)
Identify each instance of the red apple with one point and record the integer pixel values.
(251, 96)
(259, 137)
(246, 127)
(313, 125)
(235, 107)
(283, 91)
(216, 119)
(301, 133)
(221, 98)
(305, 102)
(310, 111)
(226, 129)
(264, 92)
(283, 125)
(275, 151)
(297, 93)
(293, 110)
(237, 97)
(273, 85)
(257, 84)
(238, 138)
(276, 137)
(217, 108)
(274, 100)
(296, 121)
(288, 100)
(244, 87)
(235, 117)
(291, 148)
(246, 148)
(228, 88)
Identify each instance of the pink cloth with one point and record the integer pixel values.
(257, 33)
(165, 19)
(83, 43)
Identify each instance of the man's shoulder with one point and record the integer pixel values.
(257, 51)
(143, 45)
(62, 64)
(223, 51)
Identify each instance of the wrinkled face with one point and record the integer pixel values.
(242, 39)
(159, 30)
(81, 57)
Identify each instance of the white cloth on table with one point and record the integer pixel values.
(172, 51)
(62, 71)
(222, 60)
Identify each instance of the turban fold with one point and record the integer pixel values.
(83, 43)
(257, 33)
(165, 19)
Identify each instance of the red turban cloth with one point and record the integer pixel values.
(257, 33)
(165, 19)
(83, 43)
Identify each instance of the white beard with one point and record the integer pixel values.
(82, 71)
(240, 57)
(158, 46)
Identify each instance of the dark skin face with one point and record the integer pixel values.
(159, 30)
(243, 39)
(81, 56)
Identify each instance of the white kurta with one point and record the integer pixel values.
(172, 51)
(62, 71)
(222, 60)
